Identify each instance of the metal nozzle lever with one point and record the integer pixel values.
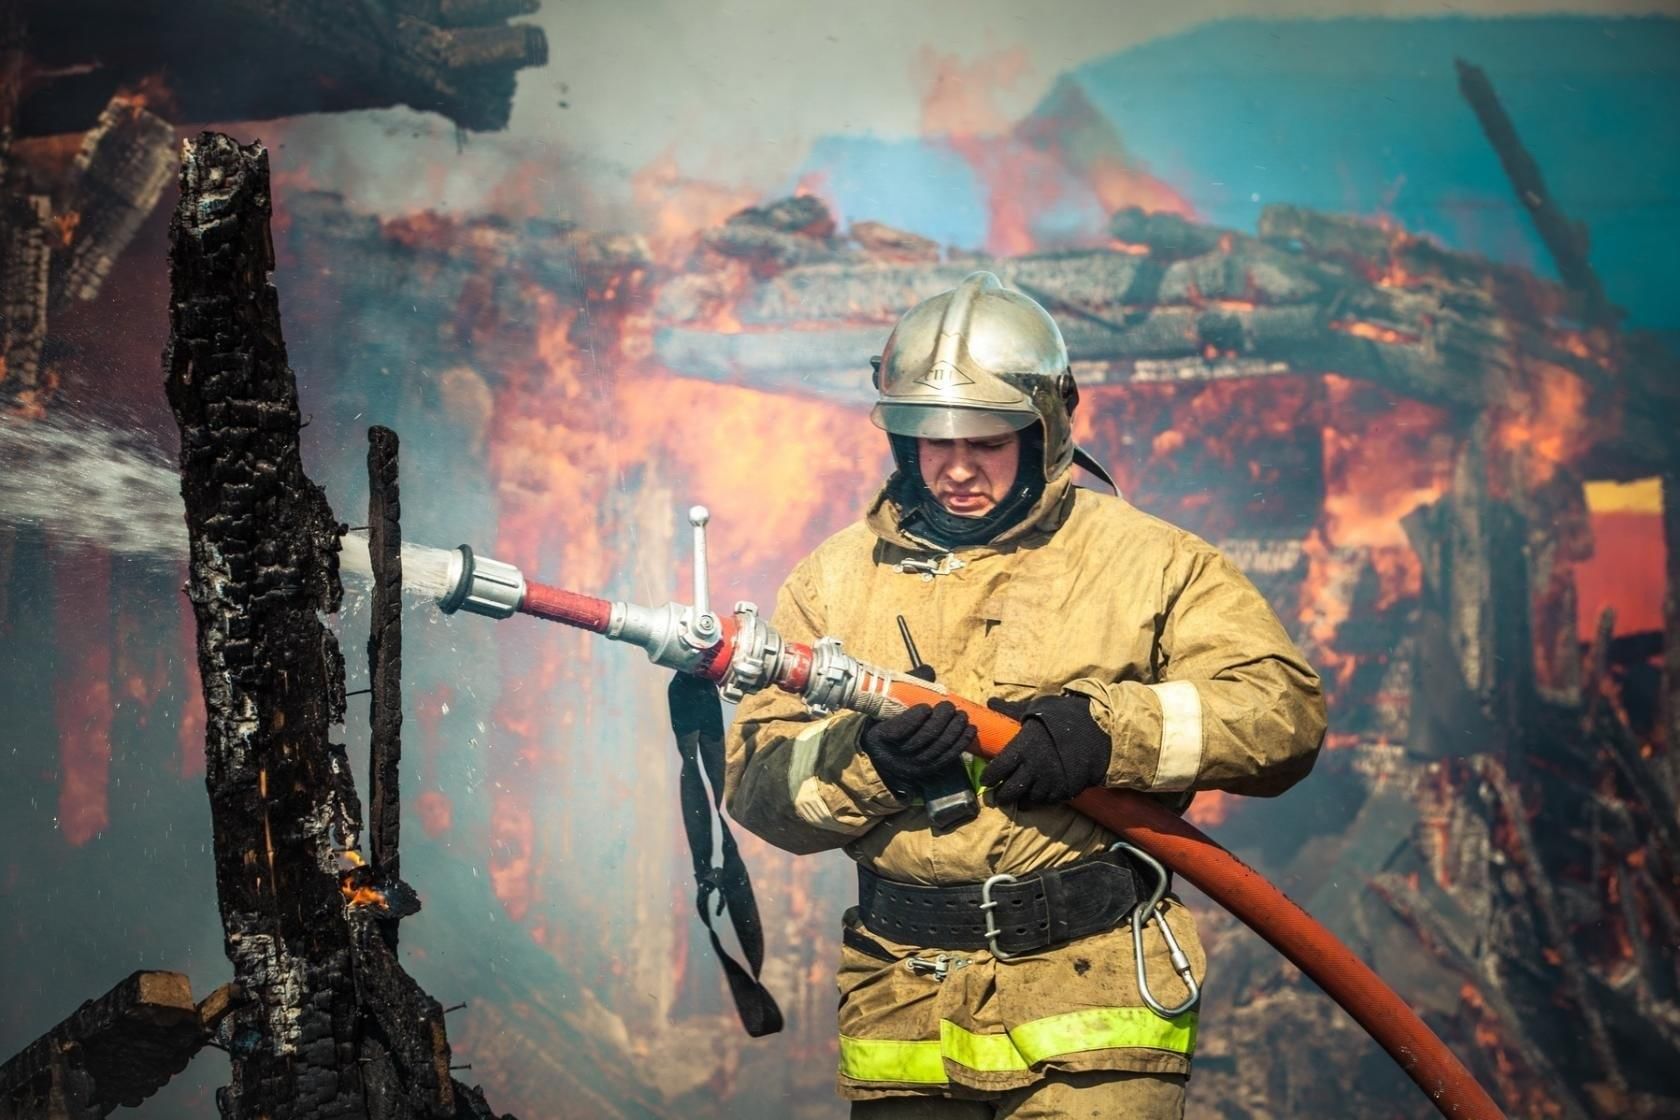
(703, 628)
(480, 585)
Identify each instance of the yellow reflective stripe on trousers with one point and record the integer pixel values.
(1101, 1028)
(863, 1059)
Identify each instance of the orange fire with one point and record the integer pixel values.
(65, 225)
(1359, 328)
(364, 896)
(1065, 159)
(151, 92)
(1541, 423)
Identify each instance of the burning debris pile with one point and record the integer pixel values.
(1395, 441)
(458, 58)
(62, 227)
(96, 69)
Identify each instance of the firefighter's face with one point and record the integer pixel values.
(970, 476)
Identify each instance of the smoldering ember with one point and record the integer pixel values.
(1437, 467)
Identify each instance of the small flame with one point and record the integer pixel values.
(1359, 328)
(65, 224)
(364, 896)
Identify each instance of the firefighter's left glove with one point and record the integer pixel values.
(917, 743)
(1059, 752)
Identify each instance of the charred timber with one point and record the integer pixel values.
(263, 568)
(1565, 239)
(26, 233)
(458, 58)
(385, 655)
(113, 1051)
(120, 172)
(1671, 634)
(330, 1024)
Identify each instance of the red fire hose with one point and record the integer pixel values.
(1243, 891)
(1185, 849)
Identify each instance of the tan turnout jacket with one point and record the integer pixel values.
(1186, 667)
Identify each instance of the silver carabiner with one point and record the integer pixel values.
(1140, 918)
(988, 907)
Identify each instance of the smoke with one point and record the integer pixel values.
(85, 482)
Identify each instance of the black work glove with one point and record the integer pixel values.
(1058, 753)
(917, 743)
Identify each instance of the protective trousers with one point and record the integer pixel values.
(1138, 1096)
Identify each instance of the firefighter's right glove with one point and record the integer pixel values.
(1059, 752)
(918, 743)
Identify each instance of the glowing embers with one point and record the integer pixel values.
(1376, 332)
(363, 889)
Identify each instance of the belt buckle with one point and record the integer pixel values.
(988, 907)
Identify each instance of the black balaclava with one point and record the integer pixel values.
(921, 514)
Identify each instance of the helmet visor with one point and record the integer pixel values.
(945, 422)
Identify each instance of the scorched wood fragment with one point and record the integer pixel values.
(385, 657)
(329, 1024)
(124, 164)
(277, 59)
(116, 1050)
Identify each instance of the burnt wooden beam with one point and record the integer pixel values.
(458, 58)
(1565, 240)
(1536, 876)
(1437, 937)
(328, 1023)
(25, 240)
(263, 568)
(119, 174)
(26, 234)
(385, 655)
(1473, 658)
(112, 1051)
(1671, 634)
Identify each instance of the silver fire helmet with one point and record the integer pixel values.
(978, 360)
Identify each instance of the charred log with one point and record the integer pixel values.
(1473, 659)
(25, 261)
(332, 1026)
(1670, 761)
(453, 57)
(125, 162)
(113, 1051)
(385, 655)
(1565, 239)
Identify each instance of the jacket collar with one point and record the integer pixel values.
(1046, 516)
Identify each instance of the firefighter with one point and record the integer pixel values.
(990, 967)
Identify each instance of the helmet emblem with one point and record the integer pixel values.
(943, 376)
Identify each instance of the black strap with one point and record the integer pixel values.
(1082, 458)
(697, 721)
(1033, 912)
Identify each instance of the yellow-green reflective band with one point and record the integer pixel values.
(1102, 1028)
(993, 1053)
(974, 766)
(870, 1059)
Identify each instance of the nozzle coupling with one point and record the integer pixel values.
(480, 585)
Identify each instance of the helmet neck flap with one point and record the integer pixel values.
(921, 515)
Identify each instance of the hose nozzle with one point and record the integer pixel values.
(480, 585)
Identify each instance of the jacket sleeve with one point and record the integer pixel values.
(797, 781)
(1235, 706)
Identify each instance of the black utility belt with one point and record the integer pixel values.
(1007, 914)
